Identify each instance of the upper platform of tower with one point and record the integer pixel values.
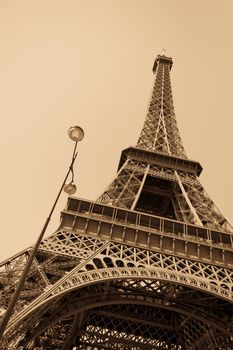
(163, 59)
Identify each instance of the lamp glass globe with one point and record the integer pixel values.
(76, 133)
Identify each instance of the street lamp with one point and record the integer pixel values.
(76, 134)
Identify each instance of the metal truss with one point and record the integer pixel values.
(109, 273)
(160, 132)
(149, 265)
(190, 201)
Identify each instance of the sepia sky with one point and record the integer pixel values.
(89, 62)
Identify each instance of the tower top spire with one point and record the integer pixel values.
(162, 59)
(160, 132)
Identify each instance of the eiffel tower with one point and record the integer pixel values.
(149, 265)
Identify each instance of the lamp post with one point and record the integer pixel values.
(76, 134)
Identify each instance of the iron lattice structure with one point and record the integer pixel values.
(149, 265)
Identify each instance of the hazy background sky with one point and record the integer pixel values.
(89, 62)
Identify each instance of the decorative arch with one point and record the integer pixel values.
(80, 280)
